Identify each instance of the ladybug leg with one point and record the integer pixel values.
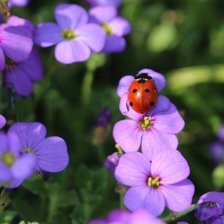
(127, 106)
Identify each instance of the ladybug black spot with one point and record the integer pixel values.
(131, 104)
(152, 103)
(147, 90)
(134, 90)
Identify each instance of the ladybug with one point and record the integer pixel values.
(142, 94)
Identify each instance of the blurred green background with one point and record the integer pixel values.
(184, 40)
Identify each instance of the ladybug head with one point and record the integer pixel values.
(143, 76)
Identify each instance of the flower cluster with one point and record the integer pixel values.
(25, 149)
(77, 35)
(148, 163)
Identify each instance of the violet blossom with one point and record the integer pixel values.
(15, 44)
(111, 162)
(15, 168)
(73, 36)
(115, 27)
(217, 147)
(210, 208)
(50, 152)
(20, 75)
(157, 183)
(125, 217)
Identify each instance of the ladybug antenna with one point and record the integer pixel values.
(143, 76)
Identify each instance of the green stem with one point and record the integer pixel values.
(173, 216)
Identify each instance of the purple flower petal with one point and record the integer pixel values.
(52, 155)
(169, 121)
(124, 85)
(157, 77)
(212, 197)
(120, 26)
(3, 143)
(127, 111)
(93, 35)
(171, 167)
(178, 196)
(70, 16)
(19, 81)
(2, 59)
(127, 134)
(48, 34)
(221, 132)
(28, 27)
(133, 169)
(20, 3)
(30, 134)
(102, 14)
(114, 44)
(163, 104)
(2, 121)
(154, 142)
(118, 216)
(24, 166)
(111, 162)
(145, 197)
(15, 183)
(5, 174)
(15, 44)
(98, 222)
(68, 52)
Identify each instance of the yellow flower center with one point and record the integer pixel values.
(146, 123)
(69, 34)
(153, 182)
(107, 28)
(27, 150)
(8, 159)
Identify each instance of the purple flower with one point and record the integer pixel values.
(210, 207)
(50, 153)
(111, 162)
(104, 118)
(154, 131)
(157, 183)
(104, 2)
(74, 37)
(21, 75)
(2, 121)
(20, 3)
(115, 27)
(125, 217)
(15, 44)
(15, 168)
(217, 147)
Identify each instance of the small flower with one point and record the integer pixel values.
(157, 183)
(74, 37)
(154, 132)
(15, 168)
(21, 75)
(104, 118)
(125, 217)
(217, 147)
(104, 2)
(50, 153)
(111, 162)
(115, 27)
(2, 121)
(210, 207)
(15, 44)
(20, 3)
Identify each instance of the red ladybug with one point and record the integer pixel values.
(142, 94)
